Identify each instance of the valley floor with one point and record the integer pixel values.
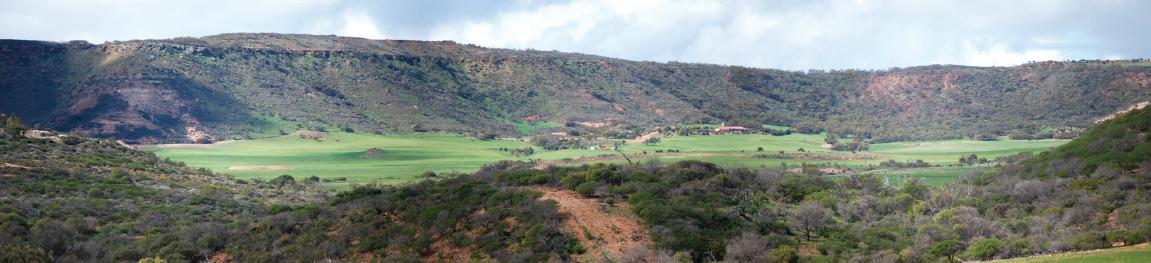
(344, 158)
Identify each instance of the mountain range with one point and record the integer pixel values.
(237, 85)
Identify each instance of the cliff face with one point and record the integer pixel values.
(233, 84)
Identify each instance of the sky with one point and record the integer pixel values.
(783, 34)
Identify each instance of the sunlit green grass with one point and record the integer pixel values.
(934, 176)
(1132, 254)
(949, 151)
(402, 159)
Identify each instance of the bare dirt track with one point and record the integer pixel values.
(603, 233)
(259, 167)
(191, 145)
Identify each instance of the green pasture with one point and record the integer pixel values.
(1132, 254)
(403, 158)
(934, 176)
(944, 152)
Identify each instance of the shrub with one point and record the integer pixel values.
(1088, 240)
(946, 248)
(984, 248)
(586, 189)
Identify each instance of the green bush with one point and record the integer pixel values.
(984, 248)
(587, 189)
(1088, 240)
(946, 248)
(785, 254)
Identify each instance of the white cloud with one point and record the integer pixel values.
(521, 29)
(787, 34)
(360, 25)
(998, 55)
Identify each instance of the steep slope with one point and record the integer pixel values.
(69, 199)
(233, 84)
(1088, 194)
(608, 233)
(1114, 146)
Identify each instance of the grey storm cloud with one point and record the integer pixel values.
(786, 34)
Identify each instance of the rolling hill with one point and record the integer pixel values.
(240, 85)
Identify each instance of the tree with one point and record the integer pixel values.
(831, 139)
(651, 141)
(24, 253)
(947, 248)
(809, 218)
(984, 248)
(13, 125)
(748, 247)
(283, 180)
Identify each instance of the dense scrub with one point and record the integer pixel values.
(696, 211)
(98, 201)
(1027, 206)
(1109, 148)
(454, 219)
(239, 85)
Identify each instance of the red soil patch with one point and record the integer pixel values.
(613, 233)
(644, 137)
(535, 117)
(808, 252)
(14, 166)
(591, 124)
(1120, 112)
(221, 258)
(617, 107)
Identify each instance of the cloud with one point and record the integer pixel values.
(107, 20)
(786, 34)
(1000, 56)
(360, 25)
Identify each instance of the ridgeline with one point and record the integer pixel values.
(250, 85)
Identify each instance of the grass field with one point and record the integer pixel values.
(1133, 254)
(403, 158)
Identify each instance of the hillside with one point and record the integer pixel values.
(70, 199)
(238, 85)
(1089, 194)
(65, 198)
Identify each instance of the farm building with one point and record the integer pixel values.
(732, 130)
